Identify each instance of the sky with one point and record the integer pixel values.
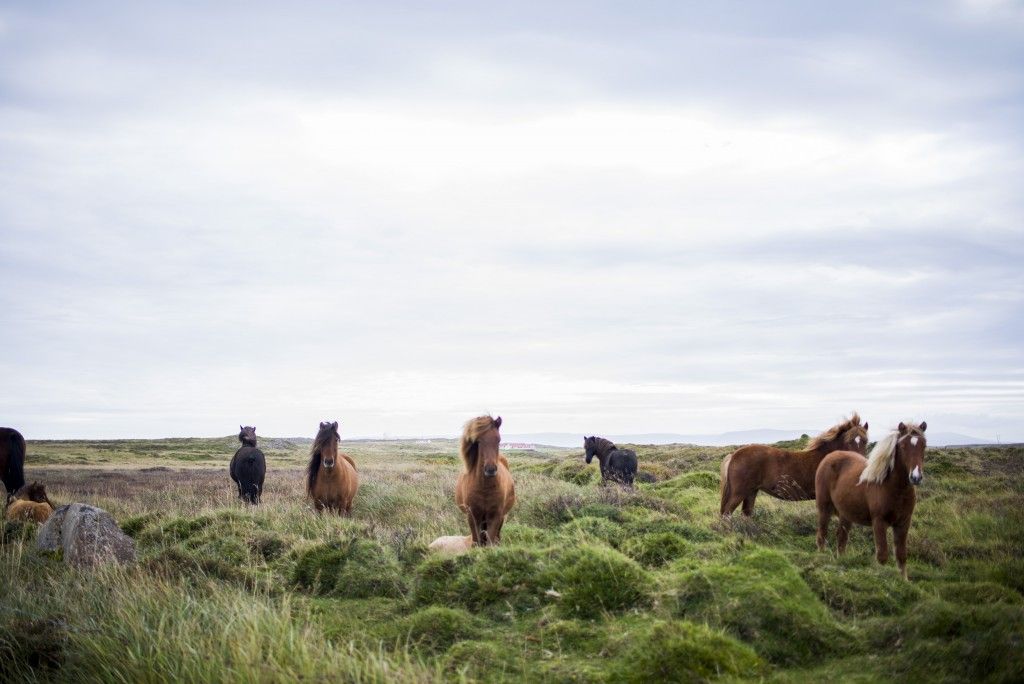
(585, 217)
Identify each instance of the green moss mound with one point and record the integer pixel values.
(968, 643)
(863, 591)
(360, 568)
(590, 528)
(593, 579)
(680, 651)
(435, 628)
(434, 580)
(760, 597)
(577, 472)
(477, 661)
(655, 548)
(502, 577)
(978, 593)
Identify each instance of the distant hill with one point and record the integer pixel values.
(765, 436)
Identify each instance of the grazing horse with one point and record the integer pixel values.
(876, 491)
(484, 491)
(248, 467)
(787, 475)
(29, 502)
(617, 465)
(12, 459)
(331, 482)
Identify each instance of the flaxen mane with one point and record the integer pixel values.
(833, 432)
(313, 468)
(470, 434)
(883, 456)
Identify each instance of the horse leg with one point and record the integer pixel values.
(899, 534)
(730, 500)
(881, 530)
(824, 518)
(748, 504)
(494, 524)
(843, 534)
(474, 530)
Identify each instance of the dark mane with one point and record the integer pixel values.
(327, 432)
(603, 446)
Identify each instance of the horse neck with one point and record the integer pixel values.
(899, 476)
(819, 452)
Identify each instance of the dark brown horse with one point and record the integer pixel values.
(248, 466)
(876, 491)
(484, 491)
(787, 475)
(331, 478)
(12, 459)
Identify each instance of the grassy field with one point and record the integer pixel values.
(590, 584)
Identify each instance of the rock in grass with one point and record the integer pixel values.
(87, 536)
(452, 544)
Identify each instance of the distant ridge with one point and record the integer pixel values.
(764, 436)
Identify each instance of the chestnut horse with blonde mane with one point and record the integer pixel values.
(331, 479)
(484, 491)
(876, 491)
(784, 474)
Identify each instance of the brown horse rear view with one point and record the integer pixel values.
(331, 482)
(484, 491)
(784, 474)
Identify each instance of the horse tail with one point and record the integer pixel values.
(724, 486)
(14, 475)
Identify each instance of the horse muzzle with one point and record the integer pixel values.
(916, 476)
(328, 464)
(490, 471)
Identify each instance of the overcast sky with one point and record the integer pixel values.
(586, 217)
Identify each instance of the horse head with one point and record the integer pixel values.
(326, 444)
(247, 435)
(854, 438)
(589, 448)
(910, 450)
(487, 448)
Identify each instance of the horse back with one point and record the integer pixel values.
(349, 459)
(22, 509)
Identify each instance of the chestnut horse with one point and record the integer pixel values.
(787, 475)
(29, 502)
(484, 491)
(331, 482)
(12, 459)
(876, 491)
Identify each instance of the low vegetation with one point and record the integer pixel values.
(591, 583)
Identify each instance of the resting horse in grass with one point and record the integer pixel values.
(787, 475)
(29, 502)
(617, 465)
(484, 491)
(876, 491)
(12, 459)
(248, 466)
(331, 478)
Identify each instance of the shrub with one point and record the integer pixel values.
(593, 579)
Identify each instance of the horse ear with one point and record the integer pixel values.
(497, 422)
(334, 425)
(902, 428)
(924, 425)
(865, 427)
(240, 427)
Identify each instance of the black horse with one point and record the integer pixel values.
(12, 459)
(248, 467)
(617, 465)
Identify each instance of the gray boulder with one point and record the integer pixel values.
(87, 535)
